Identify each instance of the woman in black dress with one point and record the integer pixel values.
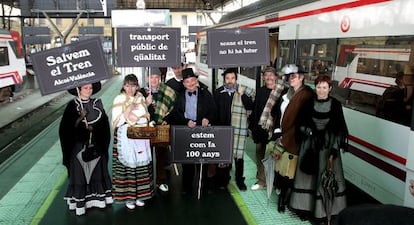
(84, 136)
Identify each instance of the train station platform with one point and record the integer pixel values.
(34, 182)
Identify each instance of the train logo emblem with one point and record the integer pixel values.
(345, 24)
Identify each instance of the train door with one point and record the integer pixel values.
(409, 179)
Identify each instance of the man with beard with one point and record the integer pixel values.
(233, 102)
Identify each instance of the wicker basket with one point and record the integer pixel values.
(147, 132)
(163, 135)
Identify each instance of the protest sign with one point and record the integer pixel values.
(70, 66)
(213, 144)
(148, 47)
(238, 47)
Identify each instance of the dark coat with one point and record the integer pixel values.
(70, 134)
(176, 85)
(206, 108)
(259, 134)
(336, 125)
(224, 102)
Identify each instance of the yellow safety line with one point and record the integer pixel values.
(46, 204)
(248, 217)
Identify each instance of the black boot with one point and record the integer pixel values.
(281, 204)
(239, 175)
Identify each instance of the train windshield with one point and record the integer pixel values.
(4, 56)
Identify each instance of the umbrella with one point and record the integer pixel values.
(88, 167)
(269, 169)
(328, 189)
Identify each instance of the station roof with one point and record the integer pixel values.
(175, 5)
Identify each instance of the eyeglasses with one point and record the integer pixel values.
(293, 76)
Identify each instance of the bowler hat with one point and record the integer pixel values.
(187, 73)
(95, 88)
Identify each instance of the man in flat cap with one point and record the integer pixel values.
(261, 120)
(160, 100)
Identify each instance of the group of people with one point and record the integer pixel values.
(85, 134)
(304, 131)
(289, 115)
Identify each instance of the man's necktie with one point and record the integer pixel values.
(192, 93)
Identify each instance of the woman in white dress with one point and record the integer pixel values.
(132, 174)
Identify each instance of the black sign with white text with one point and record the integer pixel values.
(70, 66)
(212, 144)
(142, 47)
(238, 47)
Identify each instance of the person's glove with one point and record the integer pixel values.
(306, 131)
(82, 115)
(277, 133)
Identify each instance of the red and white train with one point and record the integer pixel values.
(362, 44)
(12, 63)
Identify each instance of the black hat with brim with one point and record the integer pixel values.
(96, 87)
(187, 73)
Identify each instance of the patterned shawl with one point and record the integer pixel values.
(239, 121)
(165, 102)
(266, 119)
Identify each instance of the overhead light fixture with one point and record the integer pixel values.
(140, 4)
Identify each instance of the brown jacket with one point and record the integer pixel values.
(290, 118)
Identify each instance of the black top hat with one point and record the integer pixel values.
(95, 88)
(187, 73)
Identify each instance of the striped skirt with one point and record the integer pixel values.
(130, 184)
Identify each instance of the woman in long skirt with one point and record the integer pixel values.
(84, 137)
(325, 134)
(132, 175)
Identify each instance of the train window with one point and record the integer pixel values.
(4, 56)
(317, 56)
(285, 55)
(15, 49)
(374, 75)
(379, 67)
(203, 53)
(249, 72)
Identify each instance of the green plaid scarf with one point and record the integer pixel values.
(165, 102)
